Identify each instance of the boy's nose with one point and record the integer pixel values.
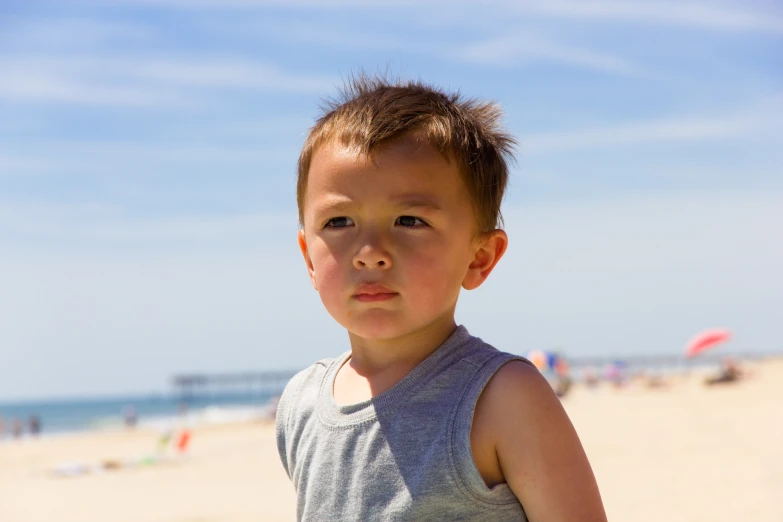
(372, 256)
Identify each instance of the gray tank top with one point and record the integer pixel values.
(402, 455)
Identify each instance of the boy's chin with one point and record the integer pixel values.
(376, 333)
(377, 328)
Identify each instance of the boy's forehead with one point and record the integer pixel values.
(407, 157)
(390, 175)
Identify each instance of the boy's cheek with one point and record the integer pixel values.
(323, 260)
(330, 282)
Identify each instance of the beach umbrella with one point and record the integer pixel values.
(539, 359)
(561, 367)
(706, 340)
(551, 360)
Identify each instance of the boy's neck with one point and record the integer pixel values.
(377, 365)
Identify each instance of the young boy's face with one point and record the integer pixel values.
(388, 240)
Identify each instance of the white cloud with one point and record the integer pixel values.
(59, 33)
(749, 123)
(229, 73)
(151, 160)
(61, 88)
(524, 47)
(143, 81)
(705, 14)
(255, 4)
(712, 15)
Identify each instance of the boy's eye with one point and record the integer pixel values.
(339, 222)
(410, 221)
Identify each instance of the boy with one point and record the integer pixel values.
(399, 195)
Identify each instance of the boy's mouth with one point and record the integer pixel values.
(371, 293)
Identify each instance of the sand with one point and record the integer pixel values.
(686, 453)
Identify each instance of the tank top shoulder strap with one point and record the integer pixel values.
(489, 362)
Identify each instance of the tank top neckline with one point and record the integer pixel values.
(346, 415)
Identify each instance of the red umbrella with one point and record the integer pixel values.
(706, 340)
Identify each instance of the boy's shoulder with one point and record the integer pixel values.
(301, 391)
(516, 390)
(517, 380)
(298, 403)
(308, 377)
(519, 410)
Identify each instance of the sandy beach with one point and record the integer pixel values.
(684, 453)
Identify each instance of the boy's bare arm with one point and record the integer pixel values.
(538, 451)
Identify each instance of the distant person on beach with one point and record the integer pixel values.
(17, 428)
(399, 192)
(591, 377)
(34, 425)
(130, 416)
(729, 372)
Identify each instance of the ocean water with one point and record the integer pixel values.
(74, 415)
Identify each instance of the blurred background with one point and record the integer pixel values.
(147, 230)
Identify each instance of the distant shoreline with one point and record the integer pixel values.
(64, 417)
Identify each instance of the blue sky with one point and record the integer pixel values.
(147, 163)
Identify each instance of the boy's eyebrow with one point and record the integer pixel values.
(336, 203)
(417, 202)
(332, 203)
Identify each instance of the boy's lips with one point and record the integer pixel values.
(370, 293)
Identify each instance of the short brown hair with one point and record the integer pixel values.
(374, 111)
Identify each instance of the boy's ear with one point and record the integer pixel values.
(491, 248)
(308, 261)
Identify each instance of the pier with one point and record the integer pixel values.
(202, 385)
